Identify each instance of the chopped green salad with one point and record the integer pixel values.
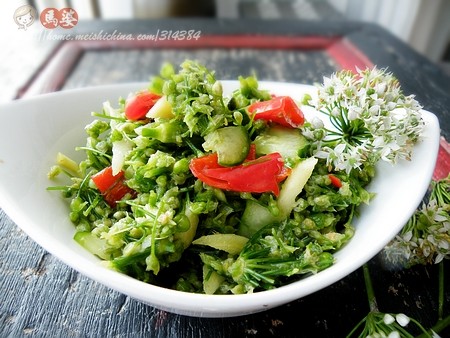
(186, 188)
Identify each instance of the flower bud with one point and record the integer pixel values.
(217, 88)
(402, 319)
(388, 319)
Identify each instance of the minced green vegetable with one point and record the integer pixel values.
(148, 235)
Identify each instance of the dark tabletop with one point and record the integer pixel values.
(42, 297)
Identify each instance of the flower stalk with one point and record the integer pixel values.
(441, 291)
(369, 289)
(379, 324)
(425, 239)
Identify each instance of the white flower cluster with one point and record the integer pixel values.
(426, 239)
(372, 119)
(386, 325)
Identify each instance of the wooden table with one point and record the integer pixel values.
(41, 297)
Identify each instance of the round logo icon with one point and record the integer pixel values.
(69, 18)
(50, 18)
(65, 18)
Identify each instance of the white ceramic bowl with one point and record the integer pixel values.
(33, 130)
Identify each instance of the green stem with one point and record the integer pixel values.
(109, 117)
(438, 327)
(441, 290)
(441, 324)
(362, 321)
(369, 289)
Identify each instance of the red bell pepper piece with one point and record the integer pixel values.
(251, 153)
(285, 172)
(256, 176)
(137, 106)
(113, 188)
(280, 109)
(335, 181)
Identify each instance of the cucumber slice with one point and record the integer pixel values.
(93, 244)
(286, 141)
(67, 163)
(211, 280)
(161, 109)
(294, 184)
(230, 243)
(186, 237)
(255, 217)
(231, 144)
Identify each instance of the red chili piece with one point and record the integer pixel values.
(137, 106)
(256, 176)
(280, 109)
(113, 188)
(335, 181)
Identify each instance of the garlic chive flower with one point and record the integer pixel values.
(425, 239)
(378, 324)
(388, 319)
(370, 119)
(402, 319)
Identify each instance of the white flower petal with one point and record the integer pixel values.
(394, 334)
(317, 123)
(388, 319)
(402, 319)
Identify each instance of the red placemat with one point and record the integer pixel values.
(442, 168)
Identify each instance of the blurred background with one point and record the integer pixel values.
(423, 24)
